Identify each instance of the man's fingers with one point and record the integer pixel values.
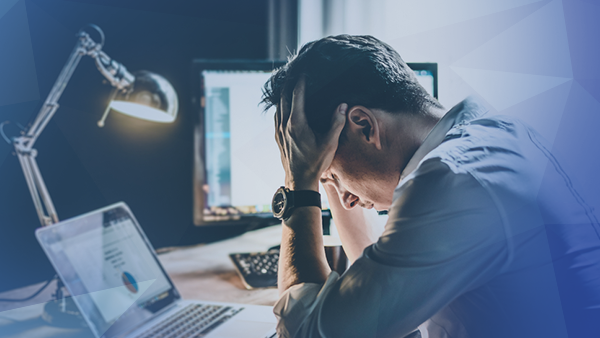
(297, 114)
(338, 121)
(284, 112)
(277, 125)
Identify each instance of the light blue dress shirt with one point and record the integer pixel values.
(486, 237)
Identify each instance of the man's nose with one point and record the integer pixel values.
(348, 200)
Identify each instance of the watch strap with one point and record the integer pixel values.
(306, 198)
(301, 198)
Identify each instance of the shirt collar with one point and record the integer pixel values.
(468, 109)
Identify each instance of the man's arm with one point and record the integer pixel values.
(439, 243)
(304, 156)
(301, 256)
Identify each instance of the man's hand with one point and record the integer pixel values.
(304, 154)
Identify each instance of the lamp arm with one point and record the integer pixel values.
(118, 76)
(114, 72)
(35, 183)
(51, 104)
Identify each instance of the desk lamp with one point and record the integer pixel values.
(143, 95)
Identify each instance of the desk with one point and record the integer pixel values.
(202, 272)
(205, 272)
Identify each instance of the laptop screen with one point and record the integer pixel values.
(109, 267)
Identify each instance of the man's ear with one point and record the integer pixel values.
(362, 122)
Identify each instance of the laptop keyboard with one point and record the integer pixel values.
(194, 320)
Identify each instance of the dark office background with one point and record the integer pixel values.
(147, 165)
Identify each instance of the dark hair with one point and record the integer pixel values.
(357, 70)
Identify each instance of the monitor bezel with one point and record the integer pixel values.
(429, 66)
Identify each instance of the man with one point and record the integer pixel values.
(486, 235)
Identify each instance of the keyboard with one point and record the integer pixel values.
(257, 269)
(194, 320)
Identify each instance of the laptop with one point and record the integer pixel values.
(111, 270)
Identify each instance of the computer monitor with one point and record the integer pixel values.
(426, 73)
(237, 167)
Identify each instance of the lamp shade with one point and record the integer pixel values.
(151, 97)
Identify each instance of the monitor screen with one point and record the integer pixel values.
(243, 168)
(237, 163)
(427, 76)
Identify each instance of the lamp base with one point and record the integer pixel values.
(63, 313)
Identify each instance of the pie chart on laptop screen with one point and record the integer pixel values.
(129, 282)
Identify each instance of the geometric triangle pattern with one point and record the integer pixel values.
(113, 302)
(545, 111)
(592, 86)
(577, 143)
(504, 89)
(537, 45)
(448, 44)
(6, 5)
(404, 18)
(581, 19)
(18, 80)
(443, 44)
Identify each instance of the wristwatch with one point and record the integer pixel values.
(285, 201)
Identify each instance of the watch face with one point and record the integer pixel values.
(279, 203)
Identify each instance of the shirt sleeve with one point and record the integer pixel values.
(444, 237)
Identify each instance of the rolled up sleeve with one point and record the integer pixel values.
(297, 303)
(444, 237)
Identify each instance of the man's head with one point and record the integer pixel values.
(375, 82)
